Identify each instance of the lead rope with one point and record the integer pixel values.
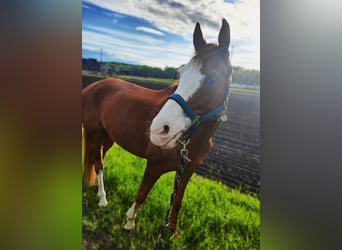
(184, 157)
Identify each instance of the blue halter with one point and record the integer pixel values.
(196, 120)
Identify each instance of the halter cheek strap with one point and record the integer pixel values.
(196, 120)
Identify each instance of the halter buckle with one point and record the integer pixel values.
(223, 117)
(184, 151)
(195, 122)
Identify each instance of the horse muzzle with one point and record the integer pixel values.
(165, 141)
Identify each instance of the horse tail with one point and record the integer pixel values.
(89, 163)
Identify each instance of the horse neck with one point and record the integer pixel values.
(164, 93)
(207, 129)
(200, 143)
(171, 88)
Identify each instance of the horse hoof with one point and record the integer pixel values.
(129, 226)
(176, 235)
(103, 203)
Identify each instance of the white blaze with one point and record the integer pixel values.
(172, 115)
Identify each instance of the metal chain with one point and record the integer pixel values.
(184, 157)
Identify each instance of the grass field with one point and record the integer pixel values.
(212, 216)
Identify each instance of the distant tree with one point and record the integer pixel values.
(170, 73)
(240, 75)
(246, 76)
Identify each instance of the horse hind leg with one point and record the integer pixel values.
(96, 145)
(101, 193)
(99, 164)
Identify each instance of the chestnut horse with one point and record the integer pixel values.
(150, 123)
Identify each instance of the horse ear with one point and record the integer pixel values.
(198, 37)
(224, 35)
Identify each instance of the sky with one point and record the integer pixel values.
(159, 33)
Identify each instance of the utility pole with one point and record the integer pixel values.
(101, 55)
(231, 54)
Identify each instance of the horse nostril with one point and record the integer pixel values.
(166, 129)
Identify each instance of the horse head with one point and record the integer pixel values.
(203, 86)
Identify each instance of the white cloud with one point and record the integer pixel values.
(180, 17)
(149, 30)
(85, 6)
(243, 16)
(124, 35)
(142, 50)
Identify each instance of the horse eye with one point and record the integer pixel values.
(210, 79)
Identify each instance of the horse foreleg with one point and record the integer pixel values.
(177, 202)
(151, 175)
(131, 214)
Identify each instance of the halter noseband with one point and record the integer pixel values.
(196, 120)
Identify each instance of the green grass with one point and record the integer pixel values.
(212, 216)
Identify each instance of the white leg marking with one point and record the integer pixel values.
(101, 193)
(131, 214)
